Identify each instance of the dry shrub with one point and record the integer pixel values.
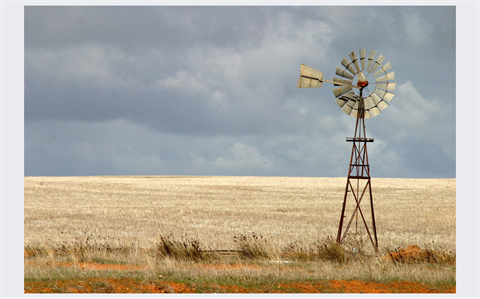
(180, 249)
(80, 249)
(432, 256)
(298, 250)
(329, 250)
(253, 247)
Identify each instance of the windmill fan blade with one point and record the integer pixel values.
(383, 69)
(341, 90)
(340, 102)
(379, 92)
(382, 105)
(339, 80)
(376, 98)
(354, 59)
(374, 111)
(361, 77)
(354, 113)
(371, 57)
(362, 58)
(343, 73)
(377, 63)
(387, 86)
(352, 103)
(349, 99)
(347, 109)
(386, 77)
(356, 105)
(368, 103)
(348, 66)
(348, 96)
(366, 114)
(387, 96)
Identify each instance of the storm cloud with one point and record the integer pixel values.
(211, 90)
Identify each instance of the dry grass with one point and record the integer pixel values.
(214, 209)
(115, 219)
(257, 263)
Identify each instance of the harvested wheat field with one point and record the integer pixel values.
(234, 234)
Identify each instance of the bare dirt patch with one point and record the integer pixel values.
(127, 285)
(356, 286)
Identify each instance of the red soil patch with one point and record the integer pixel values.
(128, 285)
(412, 252)
(356, 286)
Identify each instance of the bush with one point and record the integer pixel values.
(183, 249)
(299, 251)
(329, 250)
(253, 247)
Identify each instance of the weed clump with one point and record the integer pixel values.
(180, 249)
(300, 251)
(329, 250)
(253, 247)
(81, 249)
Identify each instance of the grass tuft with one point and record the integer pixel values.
(253, 246)
(180, 249)
(298, 250)
(80, 249)
(329, 250)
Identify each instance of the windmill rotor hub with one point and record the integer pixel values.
(362, 83)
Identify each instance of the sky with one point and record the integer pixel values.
(212, 90)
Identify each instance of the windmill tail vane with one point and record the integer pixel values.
(350, 97)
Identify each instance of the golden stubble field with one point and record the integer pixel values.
(215, 209)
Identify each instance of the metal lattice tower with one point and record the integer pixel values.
(358, 185)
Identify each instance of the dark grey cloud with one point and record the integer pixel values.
(212, 90)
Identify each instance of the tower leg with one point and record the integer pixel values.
(340, 226)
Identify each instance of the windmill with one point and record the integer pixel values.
(351, 98)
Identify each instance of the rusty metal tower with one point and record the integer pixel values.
(358, 185)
